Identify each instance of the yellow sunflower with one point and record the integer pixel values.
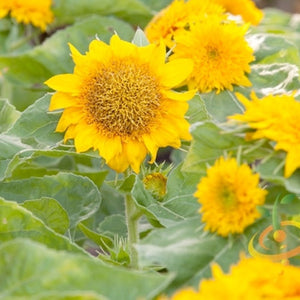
(35, 12)
(119, 101)
(276, 118)
(245, 8)
(251, 279)
(229, 196)
(220, 53)
(177, 16)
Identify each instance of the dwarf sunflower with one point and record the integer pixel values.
(177, 16)
(229, 196)
(119, 101)
(252, 278)
(245, 8)
(220, 53)
(35, 12)
(276, 118)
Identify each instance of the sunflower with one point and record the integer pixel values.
(35, 12)
(119, 101)
(252, 278)
(245, 8)
(229, 196)
(276, 118)
(220, 53)
(177, 16)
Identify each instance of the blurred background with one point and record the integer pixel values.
(292, 6)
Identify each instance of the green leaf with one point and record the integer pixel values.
(133, 11)
(50, 212)
(210, 142)
(188, 251)
(10, 146)
(16, 221)
(49, 162)
(37, 126)
(77, 195)
(157, 5)
(8, 115)
(28, 269)
(33, 67)
(272, 48)
(113, 225)
(197, 111)
(140, 38)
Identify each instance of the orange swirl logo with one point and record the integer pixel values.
(279, 236)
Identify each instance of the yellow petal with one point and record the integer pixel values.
(68, 83)
(151, 146)
(77, 57)
(176, 72)
(85, 137)
(119, 163)
(179, 96)
(99, 51)
(108, 147)
(292, 161)
(69, 116)
(62, 100)
(122, 48)
(136, 153)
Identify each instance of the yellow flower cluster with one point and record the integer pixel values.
(229, 196)
(203, 32)
(120, 101)
(276, 118)
(251, 279)
(35, 12)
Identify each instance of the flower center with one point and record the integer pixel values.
(122, 98)
(228, 199)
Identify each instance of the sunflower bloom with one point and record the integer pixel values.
(229, 196)
(35, 12)
(119, 101)
(276, 118)
(220, 53)
(245, 8)
(251, 279)
(177, 16)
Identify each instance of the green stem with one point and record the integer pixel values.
(132, 218)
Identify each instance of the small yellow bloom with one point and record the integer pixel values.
(229, 196)
(276, 118)
(251, 279)
(177, 16)
(35, 12)
(156, 184)
(245, 8)
(220, 53)
(120, 101)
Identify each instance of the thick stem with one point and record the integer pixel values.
(132, 218)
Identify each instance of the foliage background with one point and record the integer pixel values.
(58, 207)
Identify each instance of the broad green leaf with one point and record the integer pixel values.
(113, 225)
(210, 142)
(271, 169)
(77, 195)
(17, 221)
(157, 5)
(8, 115)
(37, 126)
(220, 106)
(50, 212)
(132, 11)
(180, 190)
(33, 67)
(197, 111)
(28, 269)
(10, 145)
(188, 251)
(272, 48)
(49, 162)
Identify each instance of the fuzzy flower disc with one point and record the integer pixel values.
(229, 196)
(119, 101)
